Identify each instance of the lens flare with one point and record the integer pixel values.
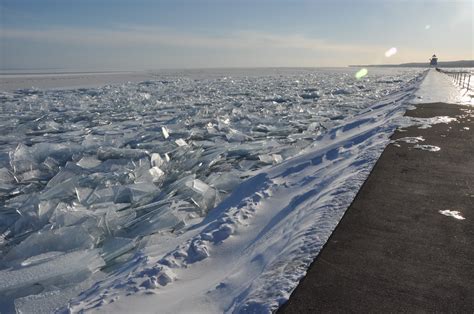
(428, 26)
(361, 73)
(390, 52)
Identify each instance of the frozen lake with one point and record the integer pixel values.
(14, 80)
(95, 180)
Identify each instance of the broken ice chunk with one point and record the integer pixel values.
(44, 302)
(64, 268)
(236, 136)
(51, 163)
(122, 194)
(141, 191)
(225, 181)
(270, 159)
(310, 95)
(41, 258)
(160, 219)
(60, 191)
(62, 176)
(247, 164)
(211, 129)
(206, 197)
(114, 247)
(180, 142)
(6, 176)
(198, 186)
(156, 173)
(341, 91)
(21, 159)
(277, 158)
(46, 208)
(115, 220)
(118, 153)
(313, 126)
(99, 195)
(63, 240)
(88, 162)
(65, 215)
(165, 132)
(265, 159)
(33, 175)
(141, 173)
(156, 160)
(25, 158)
(83, 194)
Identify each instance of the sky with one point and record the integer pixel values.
(145, 34)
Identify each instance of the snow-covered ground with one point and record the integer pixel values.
(190, 192)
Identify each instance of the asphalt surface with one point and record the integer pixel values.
(394, 251)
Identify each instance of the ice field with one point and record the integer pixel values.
(200, 190)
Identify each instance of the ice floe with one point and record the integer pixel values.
(145, 186)
(257, 243)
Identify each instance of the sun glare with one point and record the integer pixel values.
(361, 73)
(392, 51)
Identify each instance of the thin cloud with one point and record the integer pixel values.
(134, 36)
(236, 48)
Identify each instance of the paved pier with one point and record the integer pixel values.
(394, 251)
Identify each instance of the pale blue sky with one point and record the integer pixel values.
(126, 34)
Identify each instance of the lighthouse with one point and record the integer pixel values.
(434, 61)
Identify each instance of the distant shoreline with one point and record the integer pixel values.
(444, 64)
